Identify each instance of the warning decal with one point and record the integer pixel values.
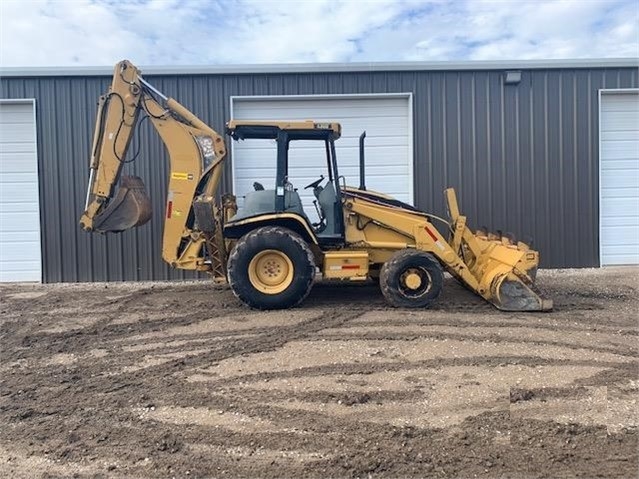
(181, 176)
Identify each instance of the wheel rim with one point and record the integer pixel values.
(271, 271)
(415, 282)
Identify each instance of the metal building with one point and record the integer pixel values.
(546, 149)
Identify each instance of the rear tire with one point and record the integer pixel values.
(271, 268)
(411, 279)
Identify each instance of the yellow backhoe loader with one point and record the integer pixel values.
(269, 250)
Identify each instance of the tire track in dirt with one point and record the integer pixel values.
(370, 368)
(493, 338)
(58, 401)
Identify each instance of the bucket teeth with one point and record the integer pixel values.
(521, 246)
(528, 240)
(510, 237)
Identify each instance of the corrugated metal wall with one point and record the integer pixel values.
(523, 157)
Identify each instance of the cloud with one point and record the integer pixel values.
(201, 32)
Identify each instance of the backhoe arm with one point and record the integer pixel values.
(196, 154)
(118, 112)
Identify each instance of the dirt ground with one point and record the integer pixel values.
(180, 380)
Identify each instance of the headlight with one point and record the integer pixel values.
(206, 148)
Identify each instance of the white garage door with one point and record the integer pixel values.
(619, 174)
(386, 119)
(19, 199)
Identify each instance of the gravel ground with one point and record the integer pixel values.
(181, 380)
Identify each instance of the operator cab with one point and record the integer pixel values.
(284, 198)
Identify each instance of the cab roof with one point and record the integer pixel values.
(300, 130)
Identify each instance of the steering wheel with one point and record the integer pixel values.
(315, 184)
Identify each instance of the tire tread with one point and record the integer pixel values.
(241, 286)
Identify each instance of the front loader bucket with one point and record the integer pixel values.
(501, 269)
(506, 270)
(130, 207)
(513, 292)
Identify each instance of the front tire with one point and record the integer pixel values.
(271, 268)
(411, 279)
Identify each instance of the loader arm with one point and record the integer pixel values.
(192, 221)
(497, 269)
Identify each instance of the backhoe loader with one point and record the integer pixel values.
(269, 250)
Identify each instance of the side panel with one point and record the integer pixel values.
(237, 229)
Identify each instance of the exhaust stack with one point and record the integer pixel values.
(362, 173)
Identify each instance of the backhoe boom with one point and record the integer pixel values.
(196, 155)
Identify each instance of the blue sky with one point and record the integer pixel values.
(204, 32)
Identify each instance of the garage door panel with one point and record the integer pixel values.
(18, 265)
(19, 250)
(17, 147)
(626, 151)
(619, 135)
(395, 182)
(20, 271)
(620, 102)
(375, 126)
(613, 163)
(18, 219)
(626, 178)
(22, 178)
(613, 221)
(620, 235)
(17, 162)
(24, 235)
(310, 157)
(618, 207)
(314, 165)
(19, 192)
(375, 170)
(621, 259)
(619, 165)
(17, 115)
(622, 255)
(290, 108)
(16, 107)
(344, 143)
(325, 113)
(619, 120)
(628, 192)
(16, 133)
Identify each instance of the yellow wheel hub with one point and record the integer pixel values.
(271, 271)
(413, 281)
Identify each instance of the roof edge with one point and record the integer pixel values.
(327, 67)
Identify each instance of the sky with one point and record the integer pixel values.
(36, 33)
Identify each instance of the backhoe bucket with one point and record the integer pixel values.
(130, 207)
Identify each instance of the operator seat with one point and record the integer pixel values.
(327, 198)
